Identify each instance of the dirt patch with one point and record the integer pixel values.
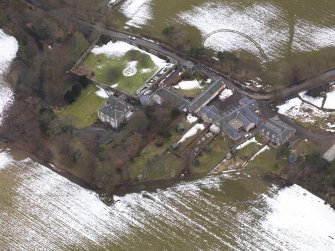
(83, 70)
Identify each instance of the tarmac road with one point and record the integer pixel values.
(322, 79)
(290, 90)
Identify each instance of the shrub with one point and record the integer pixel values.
(69, 97)
(83, 81)
(76, 89)
(41, 30)
(186, 76)
(168, 31)
(114, 73)
(145, 60)
(159, 143)
(165, 134)
(197, 52)
(175, 113)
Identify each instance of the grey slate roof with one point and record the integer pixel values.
(246, 122)
(244, 113)
(117, 103)
(172, 96)
(276, 130)
(211, 113)
(232, 133)
(206, 96)
(146, 100)
(115, 108)
(112, 113)
(188, 65)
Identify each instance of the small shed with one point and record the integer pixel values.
(214, 129)
(175, 146)
(188, 66)
(207, 148)
(146, 100)
(292, 159)
(180, 128)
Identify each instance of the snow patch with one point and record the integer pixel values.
(130, 69)
(193, 131)
(191, 119)
(101, 93)
(297, 109)
(265, 148)
(330, 101)
(9, 47)
(315, 101)
(247, 142)
(117, 49)
(226, 93)
(138, 12)
(120, 48)
(146, 70)
(188, 85)
(5, 160)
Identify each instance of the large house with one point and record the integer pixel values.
(276, 131)
(115, 111)
(207, 95)
(232, 121)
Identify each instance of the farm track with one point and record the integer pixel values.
(258, 46)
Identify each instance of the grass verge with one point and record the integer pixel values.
(83, 112)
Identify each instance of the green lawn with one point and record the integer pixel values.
(151, 151)
(109, 70)
(269, 162)
(248, 150)
(83, 112)
(219, 147)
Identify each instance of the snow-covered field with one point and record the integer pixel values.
(297, 109)
(137, 11)
(41, 210)
(268, 24)
(263, 22)
(188, 85)
(299, 215)
(8, 49)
